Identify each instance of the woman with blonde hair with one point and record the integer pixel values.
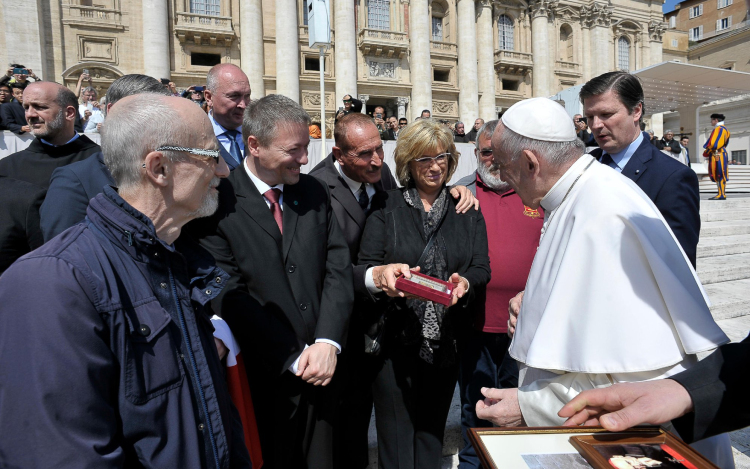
(418, 228)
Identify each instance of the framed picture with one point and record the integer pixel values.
(638, 450)
(562, 447)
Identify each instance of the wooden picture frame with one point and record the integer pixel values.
(506, 448)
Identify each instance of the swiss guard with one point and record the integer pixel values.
(716, 152)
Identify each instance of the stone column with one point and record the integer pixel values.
(364, 98)
(402, 102)
(468, 95)
(25, 37)
(156, 61)
(656, 30)
(540, 10)
(586, 58)
(419, 57)
(287, 49)
(345, 53)
(251, 45)
(599, 19)
(485, 61)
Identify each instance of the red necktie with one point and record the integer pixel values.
(273, 196)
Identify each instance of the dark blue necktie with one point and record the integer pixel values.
(364, 199)
(606, 159)
(234, 147)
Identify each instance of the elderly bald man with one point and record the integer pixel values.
(112, 363)
(611, 296)
(228, 94)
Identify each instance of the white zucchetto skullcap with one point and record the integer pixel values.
(540, 119)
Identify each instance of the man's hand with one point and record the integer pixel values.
(460, 287)
(317, 364)
(9, 72)
(500, 407)
(25, 128)
(466, 199)
(221, 348)
(172, 88)
(514, 307)
(99, 127)
(86, 115)
(626, 405)
(384, 277)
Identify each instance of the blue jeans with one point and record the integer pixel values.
(484, 362)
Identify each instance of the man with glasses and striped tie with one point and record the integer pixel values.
(228, 94)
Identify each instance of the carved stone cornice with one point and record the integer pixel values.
(543, 8)
(402, 100)
(656, 30)
(566, 12)
(596, 14)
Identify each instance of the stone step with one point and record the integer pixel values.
(723, 245)
(729, 299)
(732, 203)
(725, 215)
(711, 229)
(724, 268)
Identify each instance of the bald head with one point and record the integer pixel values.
(227, 94)
(50, 111)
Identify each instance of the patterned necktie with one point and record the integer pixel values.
(273, 195)
(234, 147)
(607, 159)
(364, 199)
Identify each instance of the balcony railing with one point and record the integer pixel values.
(568, 67)
(383, 43)
(512, 62)
(203, 27)
(443, 48)
(86, 15)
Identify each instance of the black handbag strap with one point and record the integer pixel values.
(431, 240)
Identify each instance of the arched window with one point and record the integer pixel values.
(437, 21)
(505, 32)
(623, 53)
(379, 14)
(566, 43)
(206, 7)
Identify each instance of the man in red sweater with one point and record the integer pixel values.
(513, 233)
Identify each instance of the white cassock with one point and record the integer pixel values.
(611, 296)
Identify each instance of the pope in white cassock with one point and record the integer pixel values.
(611, 296)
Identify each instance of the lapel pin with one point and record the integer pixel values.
(295, 202)
(636, 172)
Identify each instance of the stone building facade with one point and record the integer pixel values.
(461, 59)
(704, 19)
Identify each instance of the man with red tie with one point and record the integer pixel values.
(290, 294)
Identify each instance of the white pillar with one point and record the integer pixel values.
(468, 95)
(287, 49)
(419, 60)
(364, 98)
(587, 58)
(485, 61)
(345, 53)
(156, 61)
(540, 48)
(251, 46)
(24, 37)
(402, 102)
(656, 30)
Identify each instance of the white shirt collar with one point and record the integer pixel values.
(260, 185)
(555, 196)
(353, 185)
(719, 123)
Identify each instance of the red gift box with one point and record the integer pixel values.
(427, 288)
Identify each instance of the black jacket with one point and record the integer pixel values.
(71, 187)
(19, 219)
(110, 361)
(13, 116)
(718, 386)
(672, 146)
(672, 187)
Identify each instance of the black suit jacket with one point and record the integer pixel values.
(349, 214)
(19, 219)
(284, 292)
(672, 186)
(718, 386)
(13, 116)
(70, 189)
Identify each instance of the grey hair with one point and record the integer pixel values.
(262, 117)
(139, 126)
(88, 89)
(554, 153)
(668, 132)
(134, 83)
(487, 129)
(459, 123)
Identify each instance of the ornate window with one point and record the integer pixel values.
(379, 14)
(566, 43)
(206, 7)
(505, 33)
(623, 53)
(437, 28)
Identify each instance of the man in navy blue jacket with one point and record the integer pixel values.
(613, 105)
(110, 360)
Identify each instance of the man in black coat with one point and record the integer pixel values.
(12, 113)
(289, 298)
(19, 219)
(668, 143)
(613, 104)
